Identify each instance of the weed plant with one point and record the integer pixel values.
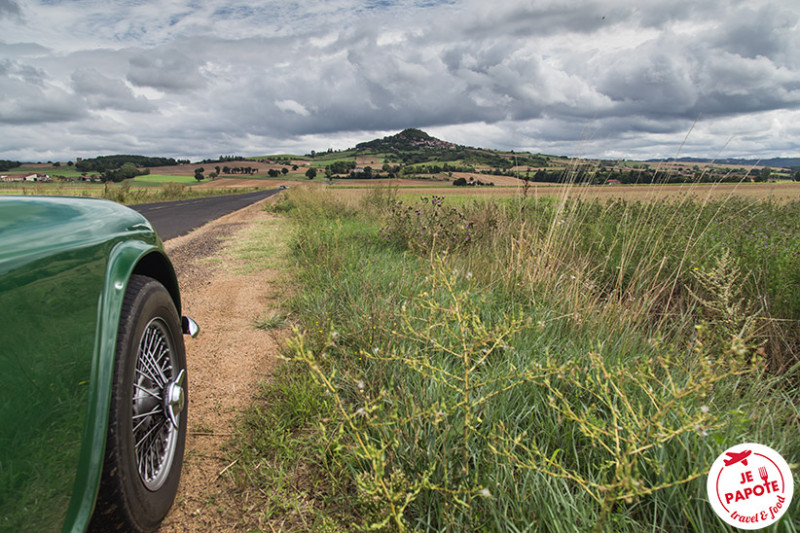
(572, 366)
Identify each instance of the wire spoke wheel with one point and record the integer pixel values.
(154, 430)
(146, 434)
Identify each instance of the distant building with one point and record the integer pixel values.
(42, 178)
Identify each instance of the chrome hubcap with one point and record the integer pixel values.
(158, 400)
(175, 399)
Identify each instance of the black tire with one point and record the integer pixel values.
(144, 448)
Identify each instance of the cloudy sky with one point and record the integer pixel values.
(202, 78)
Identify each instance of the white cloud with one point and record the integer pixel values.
(199, 79)
(290, 106)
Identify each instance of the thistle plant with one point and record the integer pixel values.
(428, 226)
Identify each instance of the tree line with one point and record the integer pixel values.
(8, 165)
(113, 162)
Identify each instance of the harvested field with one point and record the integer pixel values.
(485, 178)
(778, 192)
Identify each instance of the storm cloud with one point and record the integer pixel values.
(617, 78)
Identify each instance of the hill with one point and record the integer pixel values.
(409, 140)
(413, 147)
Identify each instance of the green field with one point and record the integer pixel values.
(63, 170)
(540, 365)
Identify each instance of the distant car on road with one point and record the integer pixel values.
(93, 380)
(282, 187)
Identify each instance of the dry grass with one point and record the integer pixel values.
(778, 192)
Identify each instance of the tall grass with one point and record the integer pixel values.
(546, 365)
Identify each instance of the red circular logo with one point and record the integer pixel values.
(750, 486)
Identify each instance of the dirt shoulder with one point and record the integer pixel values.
(225, 363)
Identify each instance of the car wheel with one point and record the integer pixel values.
(147, 415)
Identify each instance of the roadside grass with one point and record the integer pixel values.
(279, 456)
(262, 246)
(276, 456)
(555, 365)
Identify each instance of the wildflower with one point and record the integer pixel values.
(484, 492)
(704, 409)
(360, 385)
(376, 350)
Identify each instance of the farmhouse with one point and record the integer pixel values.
(37, 177)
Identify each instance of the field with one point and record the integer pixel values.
(554, 363)
(167, 178)
(137, 192)
(778, 192)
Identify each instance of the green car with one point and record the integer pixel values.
(92, 368)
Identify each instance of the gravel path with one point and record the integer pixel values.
(225, 364)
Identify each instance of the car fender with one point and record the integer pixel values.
(125, 259)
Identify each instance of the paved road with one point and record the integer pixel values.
(173, 219)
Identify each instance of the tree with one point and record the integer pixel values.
(311, 173)
(284, 171)
(127, 170)
(273, 173)
(198, 174)
(765, 173)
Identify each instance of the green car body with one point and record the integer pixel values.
(64, 267)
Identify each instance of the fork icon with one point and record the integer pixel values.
(762, 471)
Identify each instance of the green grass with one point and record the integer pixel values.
(321, 163)
(536, 366)
(328, 158)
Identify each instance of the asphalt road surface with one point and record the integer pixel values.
(173, 219)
